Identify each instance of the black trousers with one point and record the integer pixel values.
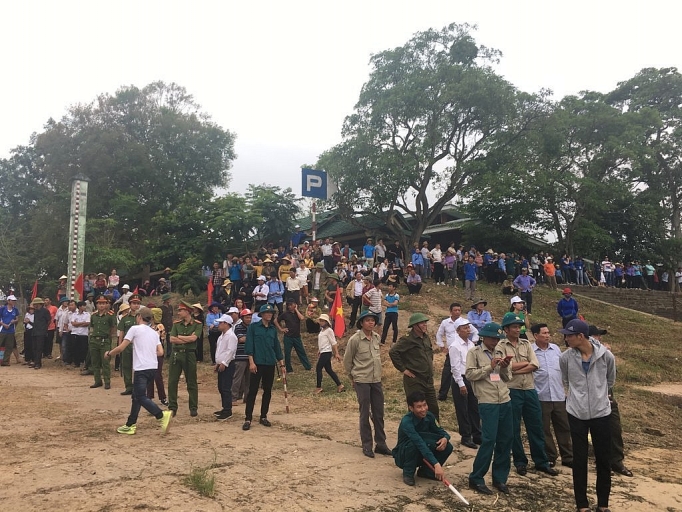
(212, 342)
(266, 374)
(200, 348)
(225, 379)
(357, 302)
(38, 345)
(324, 362)
(28, 345)
(601, 442)
(466, 408)
(49, 343)
(446, 379)
(438, 274)
(391, 319)
(528, 299)
(80, 348)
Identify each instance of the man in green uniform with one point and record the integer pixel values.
(264, 351)
(488, 374)
(413, 357)
(183, 337)
(421, 437)
(102, 326)
(362, 361)
(125, 323)
(524, 398)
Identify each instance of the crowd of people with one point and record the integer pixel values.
(498, 378)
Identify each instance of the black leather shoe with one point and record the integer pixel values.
(193, 413)
(107, 386)
(547, 470)
(568, 464)
(621, 470)
(409, 480)
(522, 470)
(501, 487)
(469, 444)
(368, 453)
(246, 425)
(480, 488)
(382, 450)
(265, 422)
(96, 385)
(126, 393)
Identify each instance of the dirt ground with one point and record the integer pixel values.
(62, 452)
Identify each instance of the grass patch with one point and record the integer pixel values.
(202, 480)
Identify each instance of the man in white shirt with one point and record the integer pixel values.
(79, 323)
(426, 255)
(328, 255)
(358, 287)
(445, 336)
(466, 404)
(550, 388)
(226, 350)
(302, 273)
(62, 323)
(260, 293)
(380, 251)
(147, 349)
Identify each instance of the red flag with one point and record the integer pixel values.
(78, 286)
(209, 290)
(136, 291)
(34, 293)
(337, 314)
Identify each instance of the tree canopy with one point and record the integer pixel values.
(154, 162)
(428, 118)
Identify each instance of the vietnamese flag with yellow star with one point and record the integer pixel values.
(337, 314)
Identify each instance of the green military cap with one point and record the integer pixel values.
(135, 296)
(511, 319)
(492, 330)
(266, 308)
(186, 305)
(416, 318)
(365, 315)
(166, 296)
(334, 276)
(319, 264)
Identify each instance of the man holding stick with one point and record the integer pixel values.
(421, 438)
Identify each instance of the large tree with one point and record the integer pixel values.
(657, 94)
(565, 175)
(425, 122)
(148, 153)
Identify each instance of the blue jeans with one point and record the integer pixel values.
(141, 379)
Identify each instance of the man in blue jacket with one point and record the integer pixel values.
(420, 438)
(567, 307)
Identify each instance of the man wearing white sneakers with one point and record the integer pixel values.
(146, 348)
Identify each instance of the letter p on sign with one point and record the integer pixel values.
(314, 183)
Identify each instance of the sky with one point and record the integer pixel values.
(282, 76)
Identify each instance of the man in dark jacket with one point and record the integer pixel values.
(421, 438)
(41, 321)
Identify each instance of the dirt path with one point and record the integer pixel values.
(63, 453)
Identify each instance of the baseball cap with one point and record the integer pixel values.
(232, 310)
(576, 327)
(225, 319)
(596, 331)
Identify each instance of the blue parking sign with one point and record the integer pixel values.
(314, 183)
